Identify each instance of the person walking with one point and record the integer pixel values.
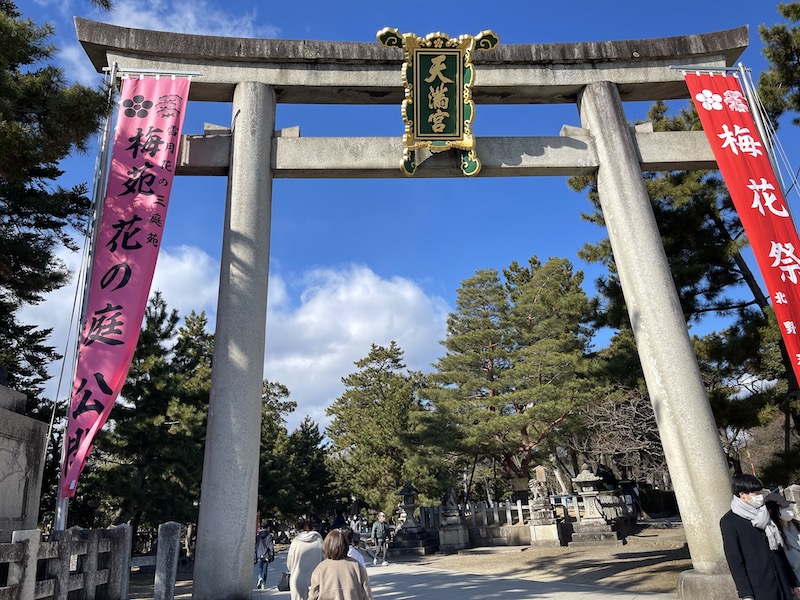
(305, 553)
(265, 554)
(380, 534)
(752, 546)
(339, 577)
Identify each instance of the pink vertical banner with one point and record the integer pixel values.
(756, 194)
(143, 159)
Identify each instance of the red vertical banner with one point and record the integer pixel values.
(756, 193)
(143, 159)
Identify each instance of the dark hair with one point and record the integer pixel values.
(746, 484)
(347, 532)
(305, 525)
(335, 545)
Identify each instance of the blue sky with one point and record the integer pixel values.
(356, 262)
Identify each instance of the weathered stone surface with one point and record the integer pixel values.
(565, 155)
(22, 444)
(317, 72)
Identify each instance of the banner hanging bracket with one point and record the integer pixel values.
(122, 71)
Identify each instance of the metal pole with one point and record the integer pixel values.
(762, 131)
(98, 195)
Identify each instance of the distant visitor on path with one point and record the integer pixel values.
(380, 535)
(339, 577)
(305, 553)
(754, 547)
(265, 554)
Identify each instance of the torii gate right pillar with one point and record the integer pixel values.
(686, 424)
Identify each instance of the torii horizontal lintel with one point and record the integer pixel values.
(378, 157)
(322, 72)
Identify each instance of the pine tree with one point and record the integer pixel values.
(550, 381)
(370, 424)
(152, 447)
(466, 389)
(307, 466)
(778, 85)
(514, 370)
(276, 494)
(42, 120)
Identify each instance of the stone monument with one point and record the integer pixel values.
(22, 446)
(545, 529)
(453, 532)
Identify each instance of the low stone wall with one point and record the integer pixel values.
(502, 535)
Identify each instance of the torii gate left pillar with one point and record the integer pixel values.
(230, 467)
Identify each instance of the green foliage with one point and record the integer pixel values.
(42, 120)
(372, 427)
(516, 369)
(275, 491)
(778, 85)
(311, 479)
(703, 239)
(152, 448)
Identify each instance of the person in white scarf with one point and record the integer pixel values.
(783, 515)
(754, 546)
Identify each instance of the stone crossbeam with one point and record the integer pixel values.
(320, 72)
(379, 157)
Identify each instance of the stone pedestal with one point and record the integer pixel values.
(414, 543)
(594, 534)
(694, 585)
(453, 532)
(545, 530)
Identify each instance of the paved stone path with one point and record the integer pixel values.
(411, 581)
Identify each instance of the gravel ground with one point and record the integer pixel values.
(649, 561)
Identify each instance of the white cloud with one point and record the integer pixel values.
(177, 16)
(77, 66)
(341, 313)
(188, 279)
(187, 16)
(317, 326)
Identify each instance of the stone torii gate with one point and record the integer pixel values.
(256, 74)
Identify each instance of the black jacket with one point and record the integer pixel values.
(758, 572)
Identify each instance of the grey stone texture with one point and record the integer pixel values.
(320, 72)
(169, 549)
(686, 425)
(22, 446)
(225, 531)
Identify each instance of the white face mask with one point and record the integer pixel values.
(757, 499)
(787, 514)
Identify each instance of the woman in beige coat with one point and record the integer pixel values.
(305, 553)
(339, 577)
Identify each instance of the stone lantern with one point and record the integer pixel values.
(588, 485)
(593, 529)
(409, 505)
(412, 539)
